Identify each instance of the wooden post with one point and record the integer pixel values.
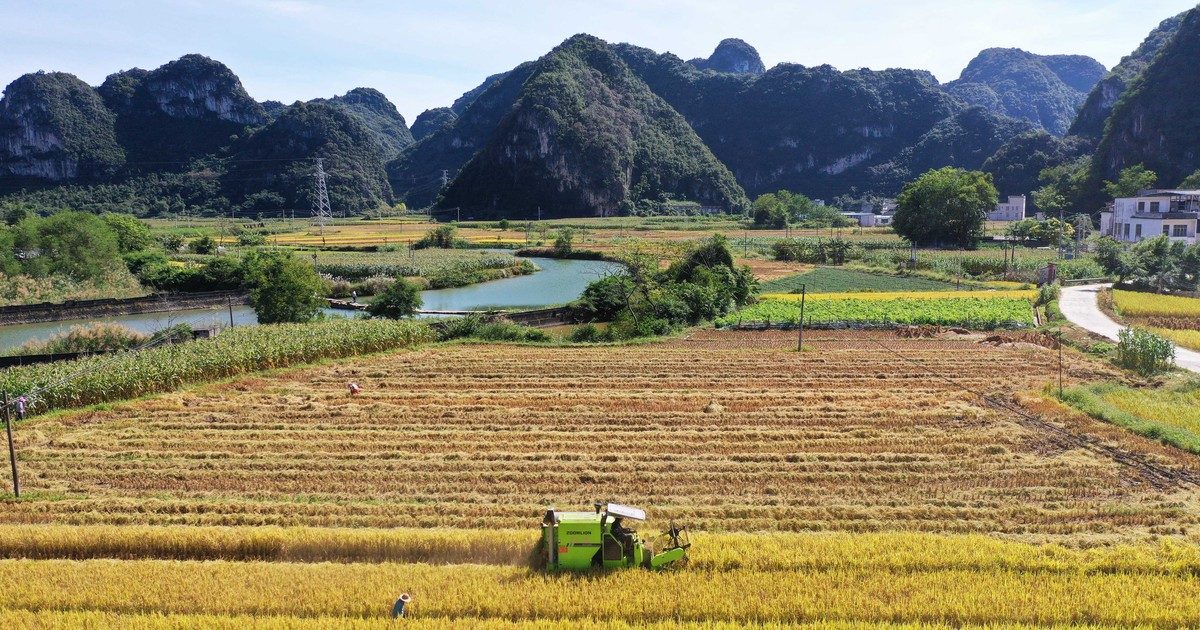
(803, 294)
(12, 451)
(229, 300)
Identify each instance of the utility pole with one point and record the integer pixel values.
(321, 210)
(229, 300)
(803, 293)
(12, 451)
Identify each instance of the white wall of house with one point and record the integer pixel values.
(1151, 214)
(865, 219)
(1012, 210)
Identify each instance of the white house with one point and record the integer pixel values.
(869, 219)
(1013, 210)
(1151, 213)
(868, 216)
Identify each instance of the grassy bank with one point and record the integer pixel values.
(1170, 414)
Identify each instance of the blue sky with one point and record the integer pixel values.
(424, 54)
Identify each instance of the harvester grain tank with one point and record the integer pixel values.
(604, 539)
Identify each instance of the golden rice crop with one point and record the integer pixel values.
(858, 484)
(1186, 338)
(96, 620)
(366, 591)
(1137, 304)
(776, 551)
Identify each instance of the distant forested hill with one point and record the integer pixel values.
(593, 127)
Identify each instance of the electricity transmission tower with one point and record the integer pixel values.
(321, 210)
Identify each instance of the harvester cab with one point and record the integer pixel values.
(605, 539)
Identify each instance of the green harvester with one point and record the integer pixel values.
(602, 539)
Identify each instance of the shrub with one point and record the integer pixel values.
(203, 245)
(1047, 293)
(96, 337)
(401, 299)
(564, 241)
(250, 239)
(373, 285)
(475, 327)
(441, 237)
(588, 333)
(1144, 352)
(283, 288)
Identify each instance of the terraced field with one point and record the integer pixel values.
(866, 482)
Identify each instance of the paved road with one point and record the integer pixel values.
(1079, 305)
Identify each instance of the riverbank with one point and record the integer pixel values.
(114, 307)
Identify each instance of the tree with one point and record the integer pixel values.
(132, 235)
(1156, 262)
(1049, 200)
(780, 209)
(401, 299)
(1191, 182)
(283, 288)
(1130, 181)
(1071, 180)
(945, 207)
(441, 237)
(75, 244)
(1112, 258)
(9, 265)
(564, 241)
(1049, 231)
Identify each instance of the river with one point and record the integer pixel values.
(558, 282)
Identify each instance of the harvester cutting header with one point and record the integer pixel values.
(584, 541)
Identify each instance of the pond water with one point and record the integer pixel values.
(558, 282)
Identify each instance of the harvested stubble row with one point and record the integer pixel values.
(487, 436)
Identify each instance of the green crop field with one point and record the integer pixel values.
(835, 280)
(427, 263)
(981, 313)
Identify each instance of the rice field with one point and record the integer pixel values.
(1175, 317)
(863, 483)
(1137, 304)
